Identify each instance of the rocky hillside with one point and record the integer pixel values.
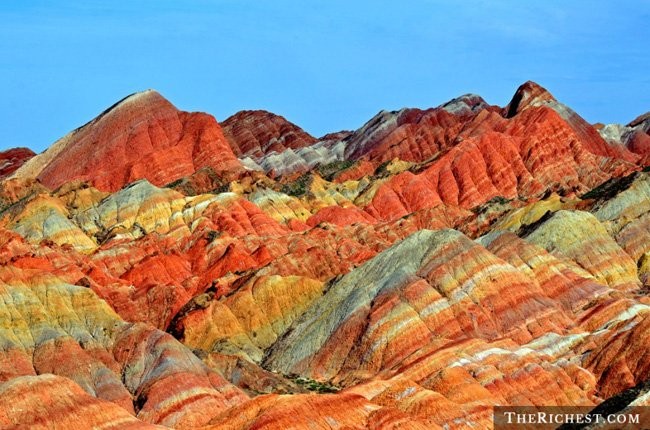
(160, 270)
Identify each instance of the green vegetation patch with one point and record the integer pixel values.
(527, 229)
(175, 183)
(329, 171)
(496, 200)
(299, 187)
(610, 188)
(382, 169)
(315, 386)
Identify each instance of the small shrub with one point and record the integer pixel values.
(610, 188)
(212, 235)
(175, 183)
(499, 200)
(382, 169)
(328, 171)
(298, 187)
(315, 386)
(222, 188)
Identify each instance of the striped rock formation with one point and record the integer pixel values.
(144, 136)
(49, 327)
(635, 136)
(269, 143)
(157, 271)
(258, 133)
(12, 159)
(539, 146)
(63, 402)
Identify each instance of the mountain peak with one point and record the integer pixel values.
(256, 133)
(528, 94)
(149, 93)
(467, 103)
(142, 135)
(146, 96)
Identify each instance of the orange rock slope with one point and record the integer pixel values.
(158, 272)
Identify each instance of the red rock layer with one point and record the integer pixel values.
(639, 143)
(12, 159)
(51, 327)
(257, 133)
(357, 171)
(344, 410)
(340, 216)
(638, 140)
(142, 136)
(413, 134)
(336, 136)
(535, 151)
(531, 94)
(48, 401)
(619, 358)
(555, 278)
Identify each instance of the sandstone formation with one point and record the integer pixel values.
(51, 327)
(12, 159)
(158, 272)
(143, 136)
(635, 136)
(63, 402)
(258, 133)
(268, 142)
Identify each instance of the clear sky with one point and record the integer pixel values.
(325, 65)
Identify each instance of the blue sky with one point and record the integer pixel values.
(325, 65)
